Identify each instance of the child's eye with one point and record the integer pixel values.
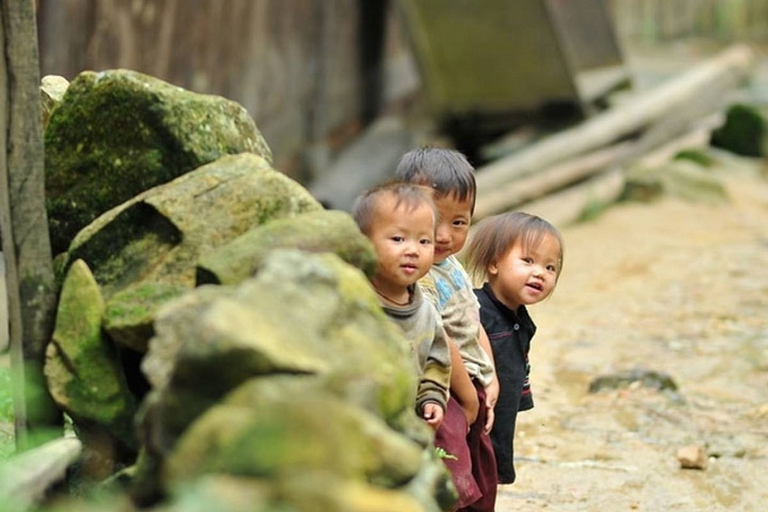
(397, 239)
(459, 223)
(426, 241)
(552, 268)
(527, 260)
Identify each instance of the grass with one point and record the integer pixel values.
(7, 442)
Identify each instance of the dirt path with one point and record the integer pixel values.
(672, 287)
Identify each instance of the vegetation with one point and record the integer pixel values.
(7, 444)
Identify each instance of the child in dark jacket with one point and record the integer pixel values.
(519, 258)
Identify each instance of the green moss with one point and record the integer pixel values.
(120, 252)
(313, 231)
(118, 133)
(130, 313)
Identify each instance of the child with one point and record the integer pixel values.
(451, 178)
(399, 220)
(519, 258)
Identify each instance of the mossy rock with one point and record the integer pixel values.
(130, 314)
(681, 178)
(117, 133)
(256, 431)
(303, 314)
(82, 368)
(159, 235)
(318, 231)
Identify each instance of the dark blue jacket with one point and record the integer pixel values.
(510, 333)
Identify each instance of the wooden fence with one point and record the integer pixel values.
(306, 70)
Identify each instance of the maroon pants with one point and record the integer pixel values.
(473, 471)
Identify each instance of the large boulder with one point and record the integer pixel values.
(159, 235)
(277, 426)
(324, 231)
(292, 373)
(117, 133)
(303, 314)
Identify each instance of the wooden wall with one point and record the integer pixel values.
(667, 20)
(306, 70)
(311, 72)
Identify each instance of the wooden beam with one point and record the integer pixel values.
(547, 181)
(24, 224)
(694, 93)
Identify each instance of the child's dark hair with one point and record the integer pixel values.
(496, 235)
(411, 195)
(446, 171)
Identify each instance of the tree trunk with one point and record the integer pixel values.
(24, 223)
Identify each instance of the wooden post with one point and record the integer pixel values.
(24, 223)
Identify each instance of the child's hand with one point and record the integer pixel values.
(490, 417)
(433, 415)
(491, 397)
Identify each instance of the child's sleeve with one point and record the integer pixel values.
(435, 380)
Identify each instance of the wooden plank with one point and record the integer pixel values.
(24, 223)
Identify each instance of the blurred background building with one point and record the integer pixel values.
(314, 75)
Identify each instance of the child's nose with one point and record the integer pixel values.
(412, 248)
(442, 234)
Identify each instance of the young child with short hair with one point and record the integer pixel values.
(519, 258)
(399, 220)
(451, 178)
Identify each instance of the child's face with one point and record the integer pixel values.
(404, 244)
(453, 225)
(526, 275)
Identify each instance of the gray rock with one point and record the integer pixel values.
(682, 178)
(623, 379)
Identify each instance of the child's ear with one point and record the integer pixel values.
(493, 269)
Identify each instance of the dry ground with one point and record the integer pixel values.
(674, 287)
